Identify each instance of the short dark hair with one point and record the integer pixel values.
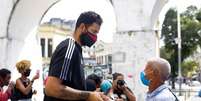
(4, 72)
(115, 75)
(91, 85)
(95, 77)
(88, 17)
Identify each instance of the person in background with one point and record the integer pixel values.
(23, 88)
(105, 86)
(157, 71)
(119, 90)
(90, 85)
(93, 82)
(5, 76)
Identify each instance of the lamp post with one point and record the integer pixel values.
(179, 46)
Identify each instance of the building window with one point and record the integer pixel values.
(42, 43)
(101, 60)
(46, 47)
(49, 47)
(110, 59)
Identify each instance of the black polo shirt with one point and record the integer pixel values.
(67, 64)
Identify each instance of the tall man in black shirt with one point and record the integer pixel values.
(66, 79)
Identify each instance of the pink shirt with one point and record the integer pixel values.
(4, 96)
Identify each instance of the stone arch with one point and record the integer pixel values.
(21, 20)
(135, 21)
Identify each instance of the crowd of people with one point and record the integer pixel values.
(66, 80)
(21, 90)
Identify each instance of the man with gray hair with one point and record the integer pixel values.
(157, 71)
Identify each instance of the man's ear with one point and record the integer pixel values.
(82, 27)
(155, 72)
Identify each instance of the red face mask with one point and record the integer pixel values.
(88, 38)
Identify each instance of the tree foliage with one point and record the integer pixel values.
(189, 68)
(190, 35)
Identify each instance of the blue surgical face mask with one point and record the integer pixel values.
(144, 80)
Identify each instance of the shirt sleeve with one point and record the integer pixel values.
(61, 60)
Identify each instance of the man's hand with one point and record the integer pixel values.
(94, 96)
(104, 97)
(128, 93)
(36, 76)
(11, 85)
(123, 87)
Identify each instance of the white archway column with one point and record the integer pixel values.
(18, 38)
(6, 8)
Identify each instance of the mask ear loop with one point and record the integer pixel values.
(155, 70)
(144, 72)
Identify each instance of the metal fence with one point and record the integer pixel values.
(187, 94)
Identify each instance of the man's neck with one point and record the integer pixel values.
(154, 85)
(76, 38)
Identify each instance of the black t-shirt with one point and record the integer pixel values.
(67, 64)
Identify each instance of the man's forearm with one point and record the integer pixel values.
(73, 94)
(54, 88)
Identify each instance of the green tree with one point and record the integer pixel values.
(191, 39)
(198, 16)
(189, 68)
